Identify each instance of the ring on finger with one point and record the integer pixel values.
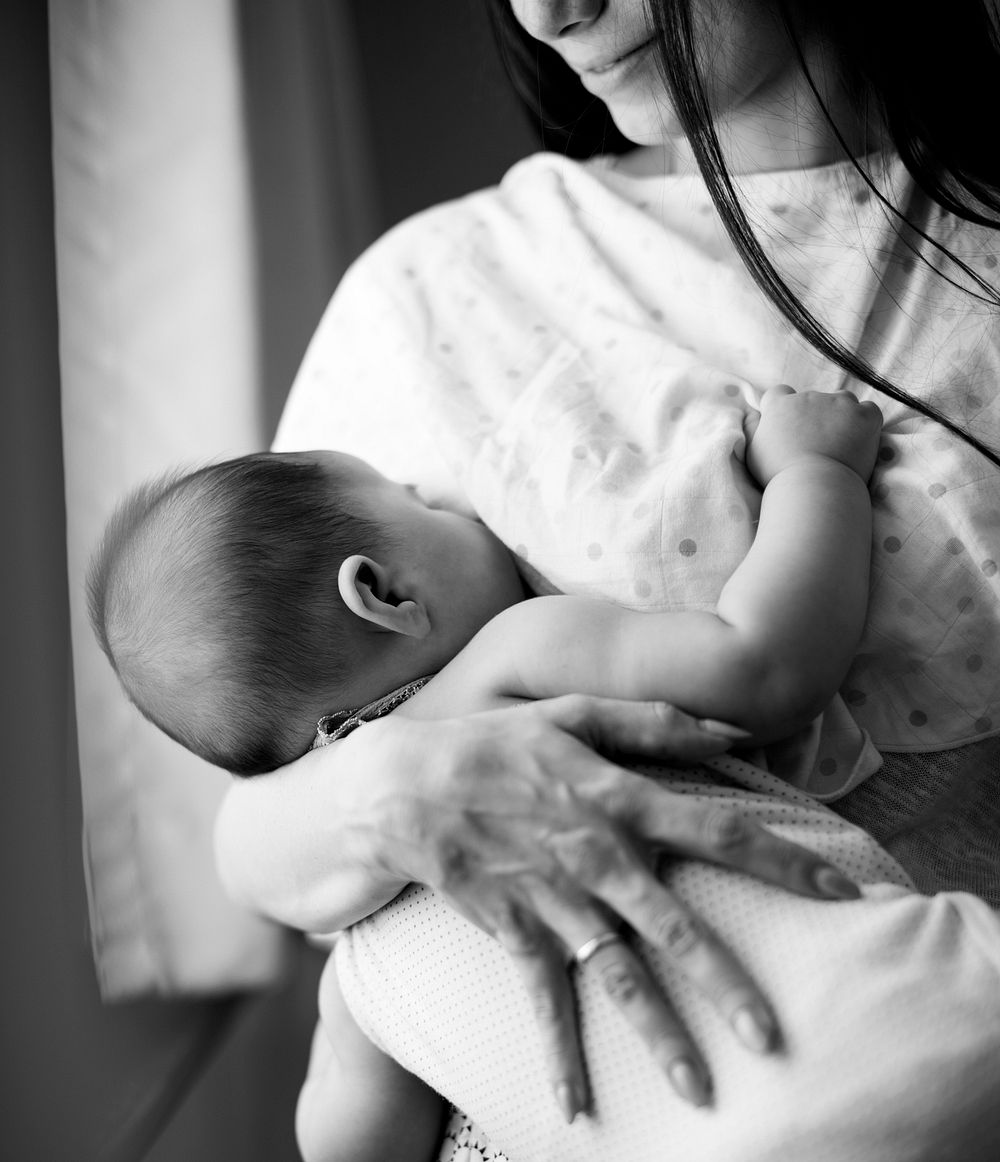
(590, 949)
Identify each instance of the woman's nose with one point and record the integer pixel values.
(550, 19)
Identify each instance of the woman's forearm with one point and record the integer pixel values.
(529, 833)
(300, 845)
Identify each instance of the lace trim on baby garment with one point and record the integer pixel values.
(332, 727)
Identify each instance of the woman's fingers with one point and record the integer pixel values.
(593, 946)
(724, 836)
(539, 957)
(543, 938)
(696, 952)
(538, 838)
(655, 731)
(616, 876)
(659, 731)
(629, 986)
(541, 964)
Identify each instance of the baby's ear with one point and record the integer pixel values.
(368, 592)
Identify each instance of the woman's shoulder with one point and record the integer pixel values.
(526, 192)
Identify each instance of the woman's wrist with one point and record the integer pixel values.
(307, 845)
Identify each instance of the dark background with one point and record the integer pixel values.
(436, 119)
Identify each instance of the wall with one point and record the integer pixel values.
(425, 111)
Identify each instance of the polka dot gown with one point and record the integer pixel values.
(574, 353)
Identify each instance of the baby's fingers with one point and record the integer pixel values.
(775, 393)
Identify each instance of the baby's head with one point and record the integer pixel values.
(242, 602)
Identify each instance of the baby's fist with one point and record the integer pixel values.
(793, 425)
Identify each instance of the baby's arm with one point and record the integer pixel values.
(787, 623)
(357, 1104)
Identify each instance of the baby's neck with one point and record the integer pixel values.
(371, 683)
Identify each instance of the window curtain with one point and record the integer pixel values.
(83, 1079)
(206, 202)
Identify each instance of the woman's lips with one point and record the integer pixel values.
(601, 70)
(602, 79)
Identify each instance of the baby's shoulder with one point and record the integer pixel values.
(497, 666)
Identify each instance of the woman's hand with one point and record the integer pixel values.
(545, 844)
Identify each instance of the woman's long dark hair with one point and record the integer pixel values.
(565, 116)
(928, 82)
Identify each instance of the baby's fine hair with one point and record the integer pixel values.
(214, 596)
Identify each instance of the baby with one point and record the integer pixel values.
(244, 603)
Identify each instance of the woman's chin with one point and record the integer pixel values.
(646, 123)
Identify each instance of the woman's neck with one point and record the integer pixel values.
(794, 122)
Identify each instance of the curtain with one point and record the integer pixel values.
(188, 283)
(81, 1079)
(154, 252)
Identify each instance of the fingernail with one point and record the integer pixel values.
(688, 1082)
(725, 729)
(567, 1101)
(831, 883)
(755, 1027)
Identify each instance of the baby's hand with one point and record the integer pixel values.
(792, 425)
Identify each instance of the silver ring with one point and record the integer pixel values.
(589, 950)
